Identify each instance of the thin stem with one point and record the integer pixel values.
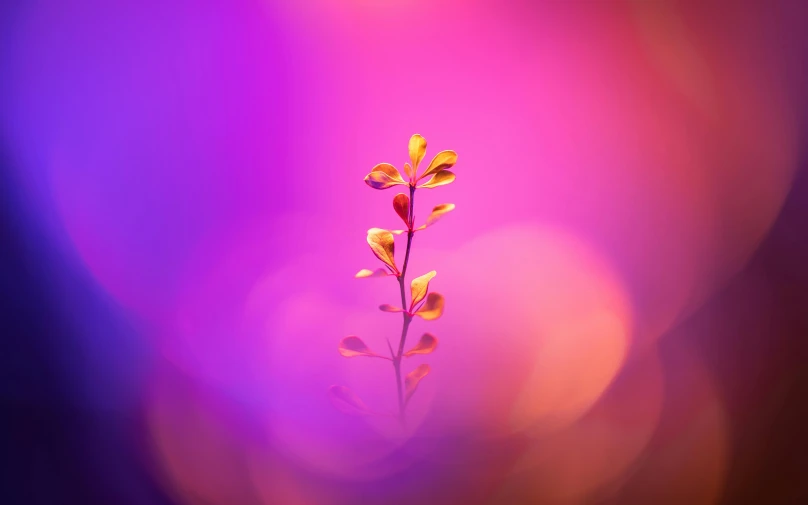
(410, 233)
(397, 367)
(407, 317)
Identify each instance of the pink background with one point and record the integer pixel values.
(201, 164)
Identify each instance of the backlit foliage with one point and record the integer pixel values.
(422, 303)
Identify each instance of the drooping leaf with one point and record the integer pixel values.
(419, 287)
(426, 345)
(412, 379)
(383, 246)
(383, 176)
(437, 212)
(379, 272)
(442, 178)
(345, 400)
(441, 161)
(432, 308)
(353, 346)
(401, 204)
(417, 150)
(386, 307)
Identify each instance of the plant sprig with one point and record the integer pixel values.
(424, 304)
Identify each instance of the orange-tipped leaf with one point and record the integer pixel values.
(441, 161)
(353, 346)
(419, 288)
(437, 212)
(426, 345)
(432, 308)
(442, 178)
(383, 176)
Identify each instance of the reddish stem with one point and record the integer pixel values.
(407, 315)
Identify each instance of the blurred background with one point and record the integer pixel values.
(625, 273)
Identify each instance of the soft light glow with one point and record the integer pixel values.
(199, 167)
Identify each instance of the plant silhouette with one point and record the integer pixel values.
(424, 304)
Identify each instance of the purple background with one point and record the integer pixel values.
(625, 274)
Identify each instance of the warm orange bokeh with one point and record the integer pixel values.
(550, 329)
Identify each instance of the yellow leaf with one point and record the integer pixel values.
(419, 287)
(426, 345)
(441, 161)
(383, 176)
(437, 213)
(379, 272)
(401, 204)
(442, 178)
(417, 150)
(345, 400)
(386, 307)
(353, 346)
(412, 379)
(409, 171)
(389, 170)
(383, 246)
(432, 308)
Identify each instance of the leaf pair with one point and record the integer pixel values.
(348, 402)
(401, 204)
(437, 167)
(382, 242)
(385, 175)
(353, 346)
(432, 307)
(419, 287)
(429, 309)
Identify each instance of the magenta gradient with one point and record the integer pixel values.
(202, 163)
